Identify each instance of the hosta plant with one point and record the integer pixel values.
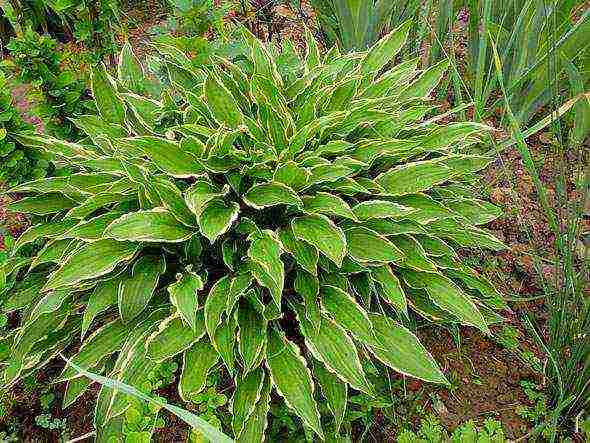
(282, 230)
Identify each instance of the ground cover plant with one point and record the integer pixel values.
(281, 226)
(17, 162)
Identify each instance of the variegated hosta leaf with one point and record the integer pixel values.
(136, 290)
(322, 233)
(156, 225)
(197, 361)
(92, 260)
(292, 379)
(183, 295)
(335, 391)
(174, 336)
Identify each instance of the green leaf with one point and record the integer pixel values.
(156, 225)
(335, 391)
(257, 422)
(110, 106)
(42, 230)
(393, 292)
(425, 84)
(129, 70)
(366, 245)
(174, 202)
(90, 261)
(183, 295)
(197, 361)
(246, 396)
(292, 379)
(201, 193)
(308, 286)
(331, 345)
(304, 253)
(380, 209)
(217, 217)
(414, 177)
(92, 229)
(174, 337)
(168, 156)
(42, 205)
(136, 290)
(328, 204)
(291, 175)
(222, 103)
(322, 233)
(343, 308)
(399, 349)
(265, 252)
(104, 296)
(448, 296)
(271, 194)
(416, 257)
(216, 303)
(385, 49)
(252, 335)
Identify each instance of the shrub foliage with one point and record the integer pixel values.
(17, 163)
(283, 226)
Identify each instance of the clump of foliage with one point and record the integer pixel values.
(38, 61)
(92, 23)
(17, 162)
(431, 431)
(195, 17)
(284, 229)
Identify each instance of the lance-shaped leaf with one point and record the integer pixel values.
(245, 398)
(268, 268)
(366, 245)
(322, 233)
(448, 296)
(156, 225)
(197, 361)
(92, 229)
(292, 175)
(255, 426)
(423, 86)
(43, 230)
(335, 391)
(392, 291)
(305, 254)
(174, 336)
(271, 194)
(331, 345)
(308, 286)
(104, 296)
(224, 341)
(380, 209)
(252, 335)
(136, 290)
(292, 379)
(343, 308)
(215, 304)
(183, 295)
(42, 205)
(110, 106)
(222, 103)
(416, 257)
(168, 156)
(129, 70)
(385, 49)
(414, 177)
(217, 217)
(173, 201)
(90, 261)
(328, 204)
(96, 202)
(399, 349)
